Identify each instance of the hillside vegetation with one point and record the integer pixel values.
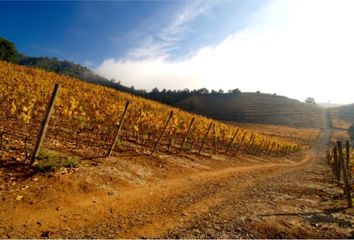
(256, 108)
(86, 118)
(71, 69)
(342, 117)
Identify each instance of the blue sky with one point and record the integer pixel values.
(295, 48)
(90, 32)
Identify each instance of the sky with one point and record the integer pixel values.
(295, 48)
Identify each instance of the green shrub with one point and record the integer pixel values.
(50, 160)
(71, 163)
(8, 51)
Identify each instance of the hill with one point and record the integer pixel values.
(71, 69)
(255, 108)
(329, 105)
(78, 71)
(247, 107)
(342, 117)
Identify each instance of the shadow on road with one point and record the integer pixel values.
(317, 217)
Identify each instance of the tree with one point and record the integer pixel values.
(235, 91)
(155, 90)
(310, 100)
(8, 51)
(202, 91)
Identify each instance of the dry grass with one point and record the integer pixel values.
(339, 123)
(339, 135)
(299, 135)
(342, 117)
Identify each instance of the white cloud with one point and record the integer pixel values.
(166, 39)
(294, 48)
(188, 14)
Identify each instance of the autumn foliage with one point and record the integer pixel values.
(89, 114)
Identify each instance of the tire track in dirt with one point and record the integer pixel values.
(163, 207)
(219, 187)
(155, 210)
(297, 203)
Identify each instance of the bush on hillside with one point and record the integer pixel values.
(8, 51)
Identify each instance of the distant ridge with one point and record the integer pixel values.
(343, 116)
(235, 106)
(71, 69)
(256, 108)
(329, 105)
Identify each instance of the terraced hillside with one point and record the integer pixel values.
(256, 108)
(342, 117)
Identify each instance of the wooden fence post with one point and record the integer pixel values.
(187, 135)
(347, 186)
(250, 143)
(266, 147)
(45, 122)
(335, 162)
(163, 132)
(205, 137)
(258, 150)
(191, 147)
(338, 169)
(347, 155)
(287, 150)
(231, 142)
(269, 152)
(253, 146)
(239, 146)
(118, 130)
(215, 142)
(275, 149)
(1, 138)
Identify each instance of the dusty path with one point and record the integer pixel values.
(294, 201)
(174, 203)
(254, 199)
(299, 202)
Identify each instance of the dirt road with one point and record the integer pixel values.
(183, 198)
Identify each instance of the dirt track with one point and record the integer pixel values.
(207, 198)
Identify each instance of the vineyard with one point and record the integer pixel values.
(342, 117)
(170, 169)
(86, 119)
(117, 125)
(299, 135)
(339, 158)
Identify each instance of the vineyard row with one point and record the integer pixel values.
(165, 138)
(340, 163)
